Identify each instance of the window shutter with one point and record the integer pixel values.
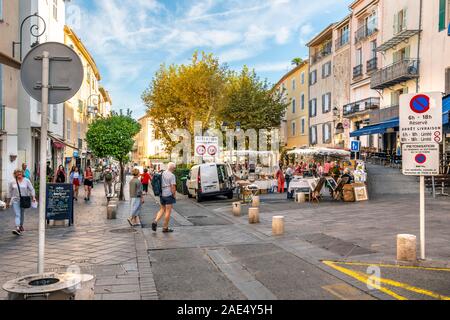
(442, 11)
(447, 81)
(407, 52)
(395, 23)
(405, 19)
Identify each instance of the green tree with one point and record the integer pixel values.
(297, 61)
(179, 95)
(252, 102)
(113, 136)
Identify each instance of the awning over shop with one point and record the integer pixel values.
(376, 128)
(446, 109)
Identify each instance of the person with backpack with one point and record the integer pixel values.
(109, 178)
(165, 186)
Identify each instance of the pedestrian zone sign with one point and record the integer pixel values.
(206, 146)
(421, 118)
(421, 159)
(355, 146)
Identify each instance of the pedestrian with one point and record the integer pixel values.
(168, 197)
(288, 176)
(136, 199)
(20, 194)
(26, 171)
(109, 177)
(88, 183)
(60, 176)
(145, 180)
(76, 179)
(49, 172)
(326, 168)
(319, 169)
(281, 180)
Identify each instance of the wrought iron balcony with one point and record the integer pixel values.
(357, 71)
(362, 106)
(325, 51)
(372, 64)
(384, 114)
(366, 30)
(396, 73)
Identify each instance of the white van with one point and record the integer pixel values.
(212, 179)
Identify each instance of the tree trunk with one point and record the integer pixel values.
(122, 182)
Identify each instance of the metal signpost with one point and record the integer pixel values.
(421, 134)
(51, 73)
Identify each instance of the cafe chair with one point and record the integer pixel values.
(316, 195)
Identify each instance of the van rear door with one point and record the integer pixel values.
(210, 178)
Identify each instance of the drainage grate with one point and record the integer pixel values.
(122, 231)
(337, 246)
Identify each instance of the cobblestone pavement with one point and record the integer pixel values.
(109, 249)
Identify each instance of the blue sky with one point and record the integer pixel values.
(130, 39)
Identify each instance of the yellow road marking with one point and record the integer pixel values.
(364, 278)
(391, 266)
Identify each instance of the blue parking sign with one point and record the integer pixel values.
(356, 146)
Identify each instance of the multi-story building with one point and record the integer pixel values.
(321, 78)
(294, 86)
(91, 100)
(29, 118)
(9, 82)
(342, 78)
(149, 148)
(365, 23)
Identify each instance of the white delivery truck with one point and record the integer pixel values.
(212, 179)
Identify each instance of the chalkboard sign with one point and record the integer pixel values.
(59, 204)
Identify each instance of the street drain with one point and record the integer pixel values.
(123, 231)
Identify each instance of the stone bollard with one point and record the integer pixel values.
(278, 225)
(255, 202)
(237, 209)
(253, 215)
(300, 198)
(112, 212)
(406, 247)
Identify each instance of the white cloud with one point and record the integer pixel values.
(272, 67)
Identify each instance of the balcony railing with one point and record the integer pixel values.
(325, 51)
(342, 41)
(358, 71)
(396, 73)
(384, 114)
(2, 117)
(361, 106)
(372, 64)
(366, 30)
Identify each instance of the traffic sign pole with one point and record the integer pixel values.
(422, 217)
(43, 163)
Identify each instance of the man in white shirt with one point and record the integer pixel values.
(167, 199)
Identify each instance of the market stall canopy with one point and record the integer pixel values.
(321, 152)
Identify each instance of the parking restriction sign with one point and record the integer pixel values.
(421, 159)
(421, 118)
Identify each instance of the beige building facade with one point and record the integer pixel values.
(294, 87)
(9, 82)
(149, 148)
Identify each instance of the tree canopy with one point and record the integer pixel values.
(297, 61)
(206, 91)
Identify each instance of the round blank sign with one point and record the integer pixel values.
(66, 72)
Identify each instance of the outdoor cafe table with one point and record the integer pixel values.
(300, 183)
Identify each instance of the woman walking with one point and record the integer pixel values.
(281, 180)
(76, 178)
(60, 176)
(21, 193)
(136, 199)
(88, 183)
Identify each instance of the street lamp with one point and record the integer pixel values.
(34, 31)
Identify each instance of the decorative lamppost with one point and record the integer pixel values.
(34, 31)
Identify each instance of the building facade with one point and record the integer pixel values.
(29, 119)
(321, 78)
(149, 148)
(294, 87)
(366, 23)
(90, 101)
(9, 82)
(342, 78)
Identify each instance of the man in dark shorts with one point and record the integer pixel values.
(167, 199)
